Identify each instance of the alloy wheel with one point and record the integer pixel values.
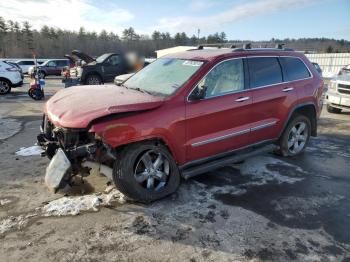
(93, 80)
(297, 137)
(152, 170)
(4, 87)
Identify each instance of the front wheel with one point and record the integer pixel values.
(295, 137)
(146, 172)
(93, 80)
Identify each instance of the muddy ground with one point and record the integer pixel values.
(265, 209)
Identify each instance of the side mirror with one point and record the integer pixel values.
(198, 93)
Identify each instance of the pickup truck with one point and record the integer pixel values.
(98, 71)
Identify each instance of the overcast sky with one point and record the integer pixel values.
(254, 20)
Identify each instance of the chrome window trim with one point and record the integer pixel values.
(245, 131)
(247, 57)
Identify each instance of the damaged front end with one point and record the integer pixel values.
(72, 152)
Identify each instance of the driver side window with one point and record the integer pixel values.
(51, 64)
(114, 60)
(226, 77)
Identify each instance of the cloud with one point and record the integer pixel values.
(66, 14)
(200, 5)
(239, 12)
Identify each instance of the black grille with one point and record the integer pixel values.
(344, 89)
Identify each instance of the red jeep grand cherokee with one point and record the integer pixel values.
(182, 115)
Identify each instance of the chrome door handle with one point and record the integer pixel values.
(287, 89)
(243, 98)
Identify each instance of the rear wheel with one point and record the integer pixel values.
(93, 80)
(5, 87)
(295, 137)
(333, 110)
(146, 172)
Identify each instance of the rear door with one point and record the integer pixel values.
(272, 98)
(112, 67)
(221, 121)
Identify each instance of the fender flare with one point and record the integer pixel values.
(294, 109)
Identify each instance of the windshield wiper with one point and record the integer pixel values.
(140, 90)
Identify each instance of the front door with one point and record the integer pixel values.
(221, 121)
(112, 67)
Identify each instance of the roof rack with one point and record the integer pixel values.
(246, 47)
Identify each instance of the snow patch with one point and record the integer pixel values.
(5, 201)
(9, 127)
(66, 206)
(13, 222)
(258, 168)
(30, 151)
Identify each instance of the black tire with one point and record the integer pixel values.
(42, 75)
(125, 172)
(5, 87)
(285, 141)
(93, 79)
(333, 110)
(35, 94)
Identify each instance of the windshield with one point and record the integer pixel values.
(102, 58)
(164, 76)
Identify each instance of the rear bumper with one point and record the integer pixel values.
(20, 83)
(336, 100)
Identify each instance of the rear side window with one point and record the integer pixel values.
(295, 68)
(264, 71)
(29, 62)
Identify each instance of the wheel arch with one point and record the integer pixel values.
(156, 140)
(6, 79)
(306, 109)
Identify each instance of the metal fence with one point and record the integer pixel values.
(330, 63)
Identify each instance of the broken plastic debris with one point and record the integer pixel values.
(30, 151)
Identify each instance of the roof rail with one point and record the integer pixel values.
(246, 47)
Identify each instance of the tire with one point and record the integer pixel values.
(132, 179)
(42, 75)
(93, 80)
(333, 110)
(294, 138)
(5, 87)
(35, 94)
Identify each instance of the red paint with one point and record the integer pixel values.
(180, 123)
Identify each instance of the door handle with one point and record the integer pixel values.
(243, 98)
(287, 89)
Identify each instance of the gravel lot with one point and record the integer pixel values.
(265, 209)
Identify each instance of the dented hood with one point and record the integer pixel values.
(76, 107)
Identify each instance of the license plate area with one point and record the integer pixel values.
(59, 166)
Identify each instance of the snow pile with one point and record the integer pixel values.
(9, 127)
(30, 151)
(75, 205)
